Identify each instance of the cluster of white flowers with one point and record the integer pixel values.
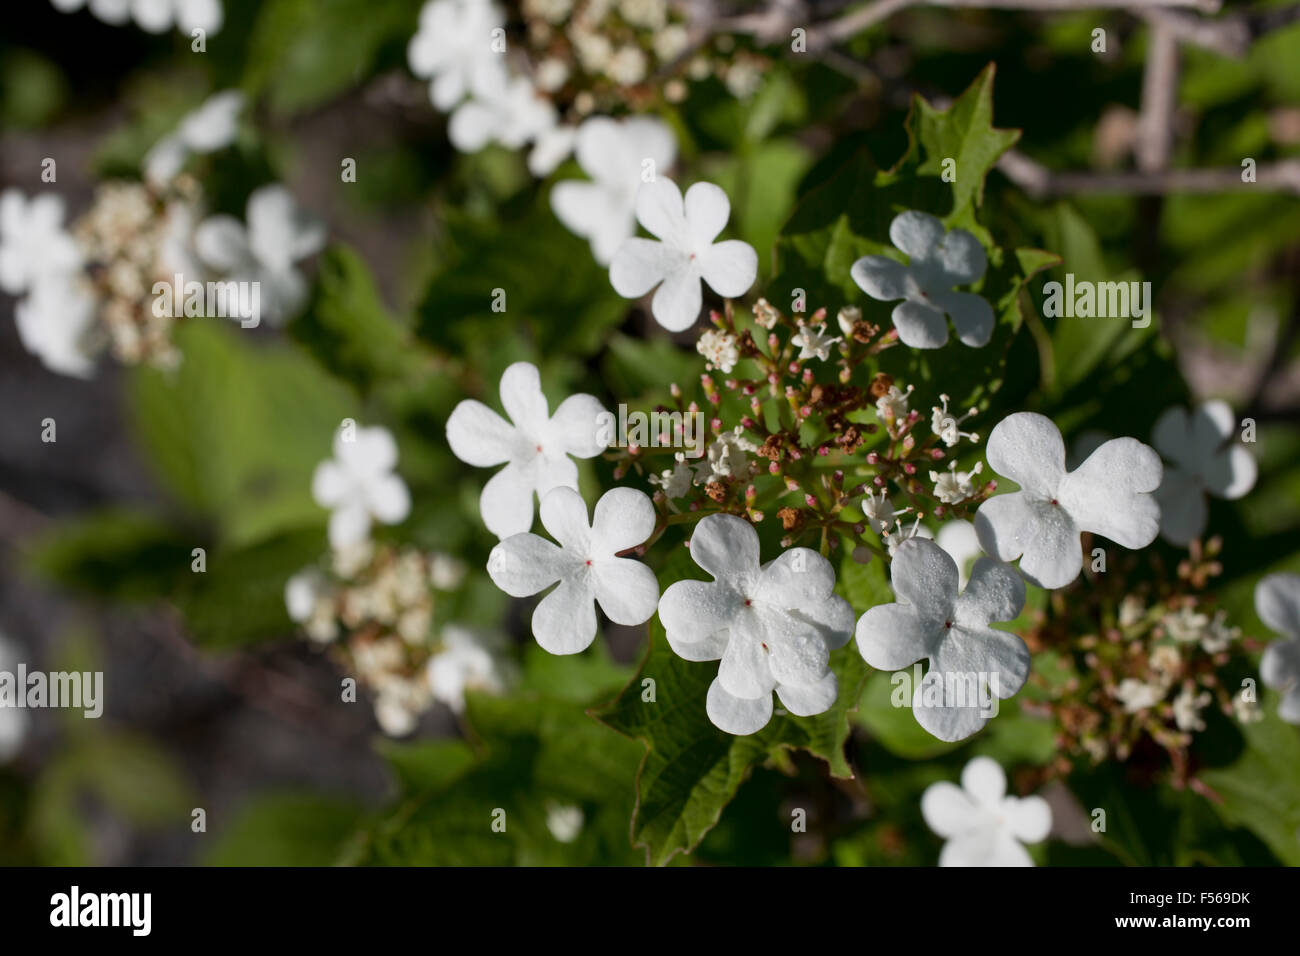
(153, 16)
(460, 48)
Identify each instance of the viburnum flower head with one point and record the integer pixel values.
(971, 662)
(33, 241)
(615, 154)
(981, 824)
(279, 233)
(358, 484)
(1109, 494)
(586, 565)
(939, 260)
(772, 626)
(453, 49)
(1201, 457)
(534, 446)
(684, 254)
(1277, 601)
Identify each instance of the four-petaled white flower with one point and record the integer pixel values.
(1200, 457)
(33, 241)
(1277, 601)
(153, 16)
(981, 824)
(938, 261)
(1109, 494)
(813, 342)
(279, 234)
(454, 49)
(934, 620)
(615, 154)
(465, 662)
(358, 484)
(205, 130)
(534, 448)
(772, 625)
(586, 564)
(684, 254)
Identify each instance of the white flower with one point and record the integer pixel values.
(879, 510)
(1246, 709)
(939, 261)
(359, 484)
(953, 486)
(1201, 457)
(847, 317)
(550, 148)
(509, 112)
(534, 448)
(765, 314)
(1277, 602)
(586, 564)
(959, 539)
(684, 254)
(33, 241)
(564, 821)
(614, 154)
(466, 662)
(933, 620)
(1187, 709)
(1138, 695)
(1166, 662)
(1218, 636)
(894, 539)
(309, 599)
(1185, 625)
(675, 481)
(727, 457)
(154, 16)
(981, 824)
(946, 426)
(1109, 494)
(893, 405)
(13, 722)
(1131, 610)
(279, 234)
(56, 323)
(813, 343)
(719, 349)
(453, 48)
(205, 130)
(772, 626)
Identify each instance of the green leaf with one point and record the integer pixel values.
(895, 727)
(286, 829)
(964, 132)
(691, 769)
(1261, 790)
(237, 431)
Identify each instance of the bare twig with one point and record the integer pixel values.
(1155, 129)
(1230, 35)
(1041, 183)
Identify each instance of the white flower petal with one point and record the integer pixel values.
(961, 257)
(894, 636)
(1053, 553)
(984, 779)
(565, 620)
(1027, 448)
(920, 325)
(1028, 818)
(916, 233)
(707, 211)
(1231, 472)
(624, 518)
(995, 593)
(971, 315)
(676, 303)
(506, 503)
(925, 575)
(564, 516)
(222, 243)
(330, 485)
(661, 210)
(1110, 493)
(577, 426)
(388, 499)
(799, 577)
(626, 589)
(945, 721)
(948, 810)
(348, 525)
(880, 278)
(806, 700)
(524, 564)
(641, 264)
(522, 398)
(695, 614)
(736, 715)
(730, 267)
(1277, 602)
(1183, 512)
(479, 436)
(744, 671)
(832, 619)
(725, 546)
